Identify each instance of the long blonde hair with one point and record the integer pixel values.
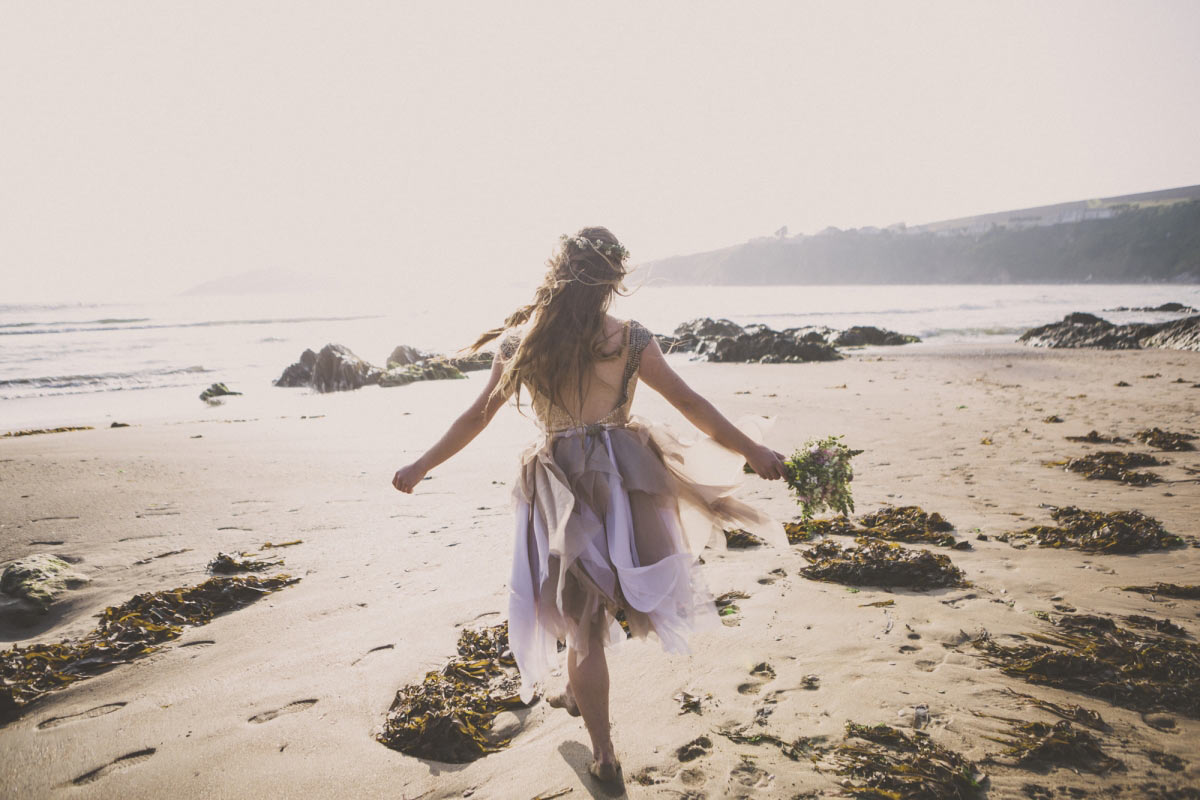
(568, 312)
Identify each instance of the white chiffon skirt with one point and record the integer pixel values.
(613, 518)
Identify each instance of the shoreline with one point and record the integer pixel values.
(381, 568)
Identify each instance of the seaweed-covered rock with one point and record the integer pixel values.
(764, 345)
(1095, 656)
(1087, 330)
(36, 581)
(403, 355)
(473, 362)
(1178, 308)
(300, 373)
(338, 369)
(725, 341)
(859, 335)
(878, 563)
(1099, 532)
(210, 394)
(421, 371)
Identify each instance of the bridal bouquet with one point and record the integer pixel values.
(819, 474)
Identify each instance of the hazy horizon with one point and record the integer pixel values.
(150, 148)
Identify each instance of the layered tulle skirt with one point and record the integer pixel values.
(613, 518)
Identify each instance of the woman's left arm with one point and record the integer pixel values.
(468, 425)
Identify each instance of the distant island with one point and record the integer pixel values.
(1139, 238)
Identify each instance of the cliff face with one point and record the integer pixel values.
(1156, 244)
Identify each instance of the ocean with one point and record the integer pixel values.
(87, 364)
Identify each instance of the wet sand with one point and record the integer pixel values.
(284, 697)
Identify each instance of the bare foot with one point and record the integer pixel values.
(564, 700)
(608, 773)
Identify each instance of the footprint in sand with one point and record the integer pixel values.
(290, 708)
(98, 711)
(693, 777)
(748, 775)
(773, 576)
(764, 672)
(696, 748)
(372, 650)
(119, 763)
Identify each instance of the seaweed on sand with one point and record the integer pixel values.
(1070, 712)
(739, 539)
(1095, 437)
(1113, 465)
(1165, 440)
(1185, 591)
(226, 564)
(1095, 531)
(895, 523)
(1095, 656)
(889, 765)
(131, 630)
(803, 746)
(878, 563)
(908, 524)
(35, 431)
(1045, 746)
(448, 716)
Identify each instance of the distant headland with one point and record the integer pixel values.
(1138, 238)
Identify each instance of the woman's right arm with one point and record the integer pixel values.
(656, 373)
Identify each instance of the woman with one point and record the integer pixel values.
(612, 510)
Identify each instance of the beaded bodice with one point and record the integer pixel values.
(553, 419)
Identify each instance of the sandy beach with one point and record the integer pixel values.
(284, 697)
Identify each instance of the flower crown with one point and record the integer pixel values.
(610, 249)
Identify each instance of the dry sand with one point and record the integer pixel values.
(283, 698)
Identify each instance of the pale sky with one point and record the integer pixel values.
(145, 147)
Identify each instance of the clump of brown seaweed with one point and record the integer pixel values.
(878, 563)
(739, 539)
(908, 524)
(131, 630)
(894, 523)
(1184, 592)
(1165, 440)
(1045, 746)
(1095, 437)
(892, 766)
(1113, 465)
(448, 716)
(1096, 531)
(225, 564)
(35, 431)
(1095, 656)
(1070, 712)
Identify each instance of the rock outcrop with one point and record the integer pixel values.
(1172, 307)
(1087, 330)
(336, 368)
(723, 340)
(32, 584)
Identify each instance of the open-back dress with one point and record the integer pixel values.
(611, 515)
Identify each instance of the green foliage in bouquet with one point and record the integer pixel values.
(819, 475)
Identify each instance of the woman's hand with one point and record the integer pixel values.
(408, 477)
(767, 463)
